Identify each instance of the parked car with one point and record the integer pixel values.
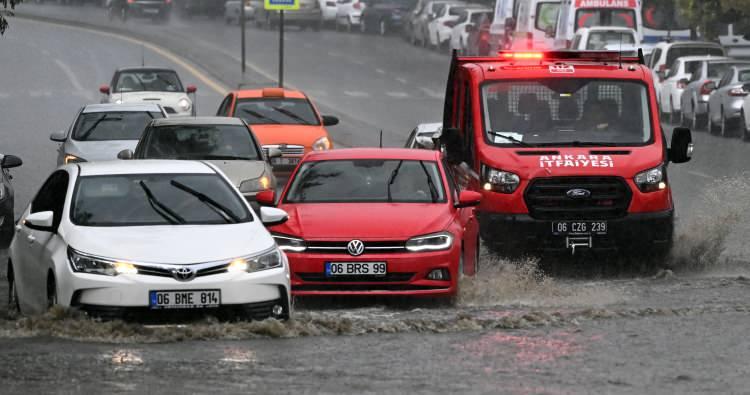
(154, 9)
(469, 19)
(420, 20)
(665, 53)
(152, 85)
(348, 14)
(401, 228)
(7, 199)
(745, 115)
(121, 239)
(675, 82)
(281, 118)
(309, 15)
(440, 27)
(227, 143)
(694, 100)
(478, 37)
(328, 10)
(725, 103)
(424, 135)
(232, 11)
(100, 131)
(385, 16)
(601, 37)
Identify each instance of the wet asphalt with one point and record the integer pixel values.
(585, 329)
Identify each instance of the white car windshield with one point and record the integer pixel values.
(569, 111)
(156, 199)
(367, 180)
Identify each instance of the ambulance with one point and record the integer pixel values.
(575, 14)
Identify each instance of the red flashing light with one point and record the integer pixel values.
(522, 55)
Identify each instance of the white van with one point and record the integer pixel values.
(575, 14)
(502, 24)
(535, 24)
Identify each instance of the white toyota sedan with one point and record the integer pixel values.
(123, 238)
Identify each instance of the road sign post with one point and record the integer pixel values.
(281, 6)
(242, 28)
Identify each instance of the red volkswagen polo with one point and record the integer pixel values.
(377, 222)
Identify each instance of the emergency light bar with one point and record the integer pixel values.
(592, 56)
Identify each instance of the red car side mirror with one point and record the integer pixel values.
(191, 89)
(104, 89)
(469, 199)
(266, 198)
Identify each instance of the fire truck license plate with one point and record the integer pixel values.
(579, 228)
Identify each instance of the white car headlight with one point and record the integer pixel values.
(289, 243)
(184, 104)
(499, 180)
(268, 260)
(72, 159)
(118, 101)
(261, 183)
(321, 144)
(84, 263)
(651, 180)
(432, 242)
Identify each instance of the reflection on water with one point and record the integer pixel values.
(125, 359)
(238, 356)
(526, 349)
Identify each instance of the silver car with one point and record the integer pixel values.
(694, 98)
(100, 131)
(725, 103)
(424, 135)
(228, 143)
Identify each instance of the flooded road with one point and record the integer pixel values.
(521, 327)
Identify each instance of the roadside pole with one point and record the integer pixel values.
(242, 29)
(281, 6)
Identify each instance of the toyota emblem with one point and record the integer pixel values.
(578, 193)
(183, 274)
(355, 247)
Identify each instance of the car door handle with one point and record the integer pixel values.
(31, 238)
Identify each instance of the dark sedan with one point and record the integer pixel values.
(385, 16)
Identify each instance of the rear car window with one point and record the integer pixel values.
(546, 16)
(678, 52)
(199, 142)
(744, 76)
(116, 125)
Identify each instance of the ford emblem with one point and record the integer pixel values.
(578, 193)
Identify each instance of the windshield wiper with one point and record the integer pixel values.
(292, 115)
(219, 208)
(433, 190)
(509, 138)
(87, 132)
(260, 116)
(392, 179)
(160, 208)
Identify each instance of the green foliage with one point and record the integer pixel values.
(708, 16)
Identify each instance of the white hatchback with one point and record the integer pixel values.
(124, 238)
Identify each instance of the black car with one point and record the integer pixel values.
(7, 218)
(154, 9)
(384, 16)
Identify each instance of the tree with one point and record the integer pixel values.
(4, 12)
(708, 16)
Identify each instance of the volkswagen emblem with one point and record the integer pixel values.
(578, 193)
(355, 247)
(183, 274)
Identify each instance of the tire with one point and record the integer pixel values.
(382, 28)
(694, 120)
(349, 26)
(723, 125)
(672, 115)
(228, 20)
(476, 255)
(710, 127)
(743, 127)
(362, 26)
(51, 290)
(14, 306)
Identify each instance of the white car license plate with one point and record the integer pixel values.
(356, 269)
(579, 228)
(284, 161)
(191, 299)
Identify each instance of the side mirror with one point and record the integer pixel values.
(58, 136)
(470, 28)
(104, 89)
(469, 199)
(10, 161)
(681, 149)
(451, 140)
(274, 153)
(746, 87)
(330, 120)
(271, 216)
(40, 221)
(191, 89)
(266, 198)
(125, 154)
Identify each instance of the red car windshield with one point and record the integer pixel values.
(367, 180)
